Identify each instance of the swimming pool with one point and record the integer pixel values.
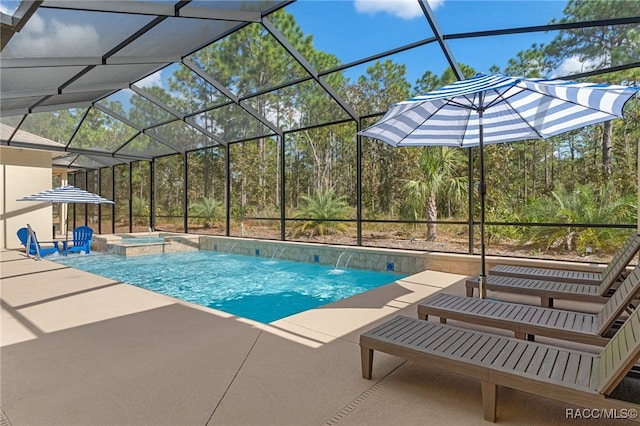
(257, 288)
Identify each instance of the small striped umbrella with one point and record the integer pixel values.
(488, 109)
(67, 194)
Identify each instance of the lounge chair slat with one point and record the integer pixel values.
(396, 332)
(532, 312)
(504, 354)
(571, 371)
(522, 312)
(526, 359)
(493, 352)
(560, 366)
(536, 361)
(502, 309)
(496, 309)
(436, 339)
(468, 345)
(548, 363)
(454, 343)
(422, 337)
(583, 375)
(481, 349)
(545, 318)
(515, 355)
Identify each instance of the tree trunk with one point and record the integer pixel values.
(432, 216)
(607, 134)
(534, 161)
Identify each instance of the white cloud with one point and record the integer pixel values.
(38, 36)
(404, 9)
(154, 79)
(574, 65)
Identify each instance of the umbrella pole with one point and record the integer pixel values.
(66, 231)
(482, 279)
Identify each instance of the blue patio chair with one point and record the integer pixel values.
(81, 240)
(23, 235)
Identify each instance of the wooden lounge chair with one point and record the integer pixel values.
(550, 290)
(572, 376)
(621, 258)
(527, 321)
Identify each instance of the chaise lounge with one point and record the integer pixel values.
(621, 258)
(528, 321)
(550, 290)
(572, 376)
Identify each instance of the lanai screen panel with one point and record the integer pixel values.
(249, 60)
(101, 132)
(232, 123)
(57, 126)
(172, 37)
(56, 46)
(145, 146)
(181, 136)
(304, 104)
(40, 81)
(181, 89)
(136, 108)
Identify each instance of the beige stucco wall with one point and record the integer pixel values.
(24, 172)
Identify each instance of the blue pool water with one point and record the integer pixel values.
(252, 287)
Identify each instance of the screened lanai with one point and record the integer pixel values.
(240, 118)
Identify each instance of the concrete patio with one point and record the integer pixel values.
(79, 349)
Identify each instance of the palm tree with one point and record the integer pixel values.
(587, 204)
(441, 167)
(320, 210)
(139, 210)
(207, 211)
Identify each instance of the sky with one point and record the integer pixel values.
(352, 28)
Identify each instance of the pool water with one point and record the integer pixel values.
(260, 289)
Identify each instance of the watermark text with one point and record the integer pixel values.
(601, 413)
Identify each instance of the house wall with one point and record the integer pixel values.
(24, 172)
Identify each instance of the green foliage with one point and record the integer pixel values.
(587, 204)
(600, 46)
(207, 211)
(430, 81)
(139, 211)
(319, 210)
(442, 177)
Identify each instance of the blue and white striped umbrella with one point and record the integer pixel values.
(67, 194)
(488, 109)
(512, 109)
